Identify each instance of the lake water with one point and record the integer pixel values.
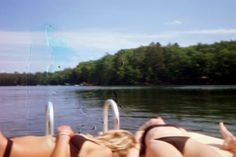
(196, 108)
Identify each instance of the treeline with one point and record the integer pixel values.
(147, 65)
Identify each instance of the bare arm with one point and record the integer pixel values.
(133, 152)
(62, 148)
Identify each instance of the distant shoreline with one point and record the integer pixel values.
(201, 64)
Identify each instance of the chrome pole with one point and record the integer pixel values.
(116, 116)
(49, 119)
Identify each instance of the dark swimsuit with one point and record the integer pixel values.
(8, 148)
(76, 144)
(177, 141)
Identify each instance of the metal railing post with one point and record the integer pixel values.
(116, 116)
(49, 119)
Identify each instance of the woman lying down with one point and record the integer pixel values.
(68, 144)
(154, 139)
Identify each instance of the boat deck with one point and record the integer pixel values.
(214, 142)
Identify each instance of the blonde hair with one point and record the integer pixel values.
(118, 141)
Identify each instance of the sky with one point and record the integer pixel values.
(50, 35)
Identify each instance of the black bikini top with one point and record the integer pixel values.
(8, 148)
(76, 143)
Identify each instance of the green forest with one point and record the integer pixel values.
(146, 65)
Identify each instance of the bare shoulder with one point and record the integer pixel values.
(91, 149)
(106, 151)
(101, 152)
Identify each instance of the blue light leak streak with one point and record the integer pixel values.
(60, 53)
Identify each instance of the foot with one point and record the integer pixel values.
(229, 138)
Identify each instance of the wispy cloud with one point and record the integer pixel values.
(18, 38)
(211, 32)
(102, 40)
(175, 22)
(89, 44)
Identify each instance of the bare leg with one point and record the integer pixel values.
(229, 139)
(196, 149)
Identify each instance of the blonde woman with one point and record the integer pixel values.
(114, 143)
